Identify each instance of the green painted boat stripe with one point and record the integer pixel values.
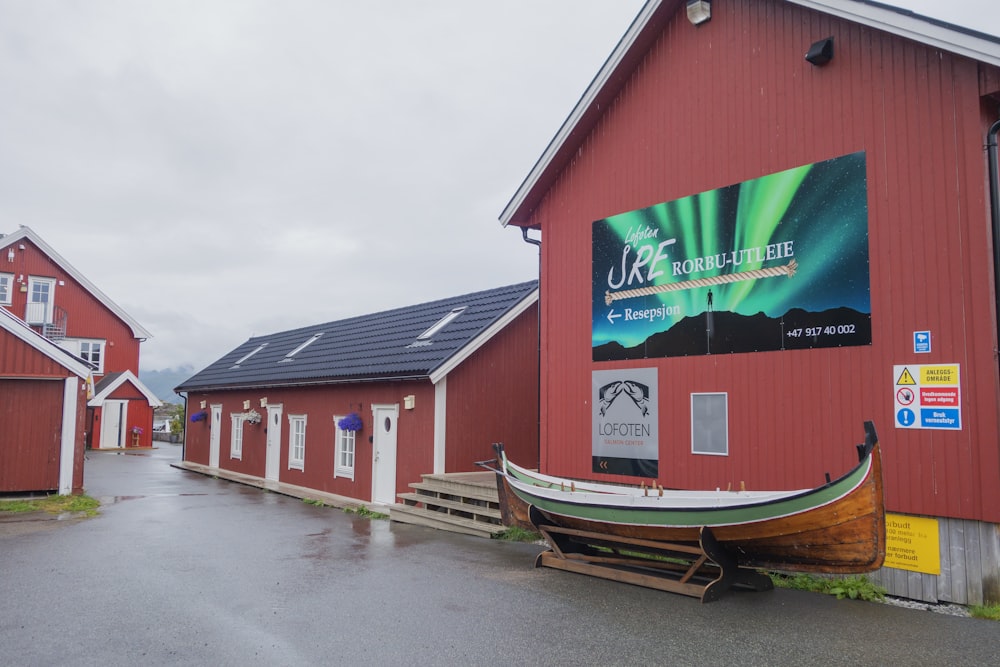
(698, 516)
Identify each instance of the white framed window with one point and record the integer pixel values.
(93, 351)
(236, 441)
(6, 288)
(343, 463)
(90, 349)
(710, 424)
(297, 442)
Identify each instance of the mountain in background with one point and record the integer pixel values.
(162, 383)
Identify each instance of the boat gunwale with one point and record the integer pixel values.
(794, 494)
(863, 472)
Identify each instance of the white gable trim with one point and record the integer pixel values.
(464, 353)
(937, 34)
(126, 376)
(17, 327)
(26, 233)
(917, 27)
(586, 101)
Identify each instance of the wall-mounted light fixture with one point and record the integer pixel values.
(699, 11)
(246, 405)
(409, 401)
(203, 403)
(263, 402)
(821, 52)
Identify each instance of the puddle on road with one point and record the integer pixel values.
(111, 500)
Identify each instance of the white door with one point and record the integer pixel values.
(272, 460)
(114, 416)
(384, 453)
(38, 310)
(215, 435)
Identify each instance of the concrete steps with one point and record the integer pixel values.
(457, 502)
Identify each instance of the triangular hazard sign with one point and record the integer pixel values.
(905, 377)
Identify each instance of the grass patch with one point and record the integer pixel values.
(854, 588)
(314, 501)
(82, 504)
(361, 510)
(990, 612)
(516, 534)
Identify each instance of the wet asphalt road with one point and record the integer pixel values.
(182, 569)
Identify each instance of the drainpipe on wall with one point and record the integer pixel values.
(538, 345)
(991, 152)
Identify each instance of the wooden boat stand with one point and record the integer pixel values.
(704, 570)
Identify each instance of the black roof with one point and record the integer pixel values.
(381, 346)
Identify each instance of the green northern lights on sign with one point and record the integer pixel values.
(774, 263)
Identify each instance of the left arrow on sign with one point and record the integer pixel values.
(612, 317)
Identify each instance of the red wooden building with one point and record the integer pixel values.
(42, 288)
(769, 249)
(43, 398)
(428, 389)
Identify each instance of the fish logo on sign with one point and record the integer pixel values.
(638, 392)
(906, 378)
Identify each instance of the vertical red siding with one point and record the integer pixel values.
(86, 316)
(30, 446)
(415, 429)
(19, 359)
(733, 100)
(493, 397)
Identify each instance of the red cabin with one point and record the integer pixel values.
(770, 221)
(43, 289)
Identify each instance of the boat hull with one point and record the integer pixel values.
(838, 528)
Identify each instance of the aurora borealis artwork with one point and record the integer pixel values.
(779, 262)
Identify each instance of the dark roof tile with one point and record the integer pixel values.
(377, 346)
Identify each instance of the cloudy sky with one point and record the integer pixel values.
(229, 168)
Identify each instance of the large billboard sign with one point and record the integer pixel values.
(779, 262)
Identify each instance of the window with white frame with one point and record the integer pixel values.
(93, 351)
(89, 349)
(343, 465)
(297, 441)
(710, 424)
(6, 288)
(236, 442)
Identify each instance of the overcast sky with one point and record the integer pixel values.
(229, 168)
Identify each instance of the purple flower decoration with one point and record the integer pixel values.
(199, 416)
(351, 422)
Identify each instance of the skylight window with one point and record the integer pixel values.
(249, 354)
(315, 337)
(441, 324)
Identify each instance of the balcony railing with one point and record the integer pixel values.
(54, 328)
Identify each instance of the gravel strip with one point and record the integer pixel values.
(942, 608)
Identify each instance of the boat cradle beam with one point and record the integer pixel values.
(704, 570)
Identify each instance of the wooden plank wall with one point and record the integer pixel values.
(30, 446)
(970, 567)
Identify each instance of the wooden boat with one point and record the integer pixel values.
(838, 527)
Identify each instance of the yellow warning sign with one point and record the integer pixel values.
(939, 374)
(911, 543)
(905, 378)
